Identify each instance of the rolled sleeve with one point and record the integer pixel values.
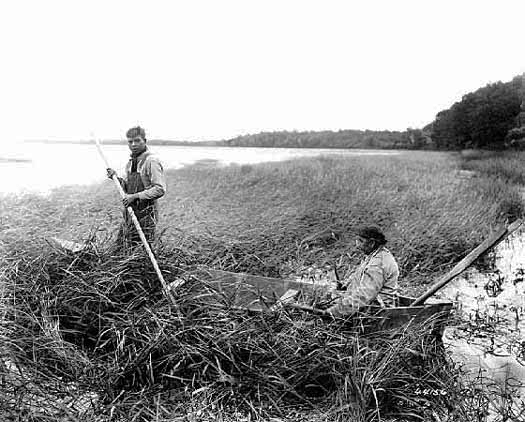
(123, 183)
(157, 182)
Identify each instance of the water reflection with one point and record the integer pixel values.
(487, 337)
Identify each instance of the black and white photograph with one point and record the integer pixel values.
(262, 211)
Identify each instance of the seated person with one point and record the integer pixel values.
(374, 280)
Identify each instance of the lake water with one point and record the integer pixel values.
(488, 339)
(38, 167)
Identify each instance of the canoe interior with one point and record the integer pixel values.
(262, 293)
(257, 293)
(67, 245)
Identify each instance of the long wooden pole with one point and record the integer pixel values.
(137, 227)
(469, 259)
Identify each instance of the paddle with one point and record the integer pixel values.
(469, 259)
(137, 226)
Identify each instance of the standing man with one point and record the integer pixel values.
(375, 279)
(143, 184)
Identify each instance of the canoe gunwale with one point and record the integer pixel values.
(266, 291)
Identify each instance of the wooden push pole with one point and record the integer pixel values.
(469, 259)
(137, 226)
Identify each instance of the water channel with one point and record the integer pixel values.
(487, 336)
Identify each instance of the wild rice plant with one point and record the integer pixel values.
(507, 166)
(94, 325)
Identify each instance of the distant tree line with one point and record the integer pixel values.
(486, 118)
(365, 139)
(412, 138)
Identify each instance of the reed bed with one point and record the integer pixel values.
(92, 334)
(506, 165)
(277, 219)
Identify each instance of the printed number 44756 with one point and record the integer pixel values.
(430, 392)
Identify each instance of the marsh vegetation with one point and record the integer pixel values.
(96, 322)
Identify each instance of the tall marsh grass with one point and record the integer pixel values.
(505, 165)
(90, 334)
(281, 217)
(95, 324)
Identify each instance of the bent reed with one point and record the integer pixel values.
(94, 326)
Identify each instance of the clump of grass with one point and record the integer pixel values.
(100, 321)
(478, 154)
(499, 171)
(507, 166)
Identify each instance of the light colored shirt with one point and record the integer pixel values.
(375, 278)
(151, 174)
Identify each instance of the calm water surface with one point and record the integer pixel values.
(488, 339)
(52, 165)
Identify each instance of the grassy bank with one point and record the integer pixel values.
(281, 217)
(278, 218)
(98, 319)
(506, 165)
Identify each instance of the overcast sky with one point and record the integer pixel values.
(197, 70)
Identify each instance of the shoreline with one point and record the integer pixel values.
(81, 165)
(14, 160)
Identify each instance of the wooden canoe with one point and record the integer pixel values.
(256, 293)
(67, 245)
(260, 294)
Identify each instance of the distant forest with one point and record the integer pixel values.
(493, 117)
(412, 138)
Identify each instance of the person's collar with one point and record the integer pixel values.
(375, 251)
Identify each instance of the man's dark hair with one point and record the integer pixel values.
(372, 232)
(136, 131)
